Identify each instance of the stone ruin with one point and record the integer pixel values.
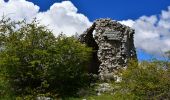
(112, 45)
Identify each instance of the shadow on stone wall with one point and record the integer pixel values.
(87, 38)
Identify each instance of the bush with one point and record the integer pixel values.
(25, 55)
(69, 72)
(146, 80)
(36, 62)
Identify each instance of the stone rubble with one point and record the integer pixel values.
(104, 88)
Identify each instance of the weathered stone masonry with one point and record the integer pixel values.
(112, 44)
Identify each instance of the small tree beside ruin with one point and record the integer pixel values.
(33, 61)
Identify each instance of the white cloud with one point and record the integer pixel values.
(61, 17)
(128, 22)
(18, 9)
(1, 2)
(152, 33)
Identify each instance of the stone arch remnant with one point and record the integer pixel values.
(112, 44)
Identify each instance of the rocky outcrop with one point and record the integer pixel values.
(113, 45)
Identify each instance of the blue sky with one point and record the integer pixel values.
(115, 9)
(149, 18)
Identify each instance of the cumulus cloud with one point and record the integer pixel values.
(61, 17)
(18, 9)
(152, 33)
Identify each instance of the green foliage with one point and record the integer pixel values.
(33, 61)
(5, 92)
(115, 96)
(146, 80)
(140, 81)
(101, 97)
(25, 55)
(69, 72)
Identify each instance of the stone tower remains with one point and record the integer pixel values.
(113, 45)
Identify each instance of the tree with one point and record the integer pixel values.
(24, 54)
(35, 61)
(70, 68)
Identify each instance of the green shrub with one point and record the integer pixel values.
(146, 80)
(25, 55)
(5, 90)
(36, 62)
(69, 72)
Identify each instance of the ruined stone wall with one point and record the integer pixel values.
(112, 44)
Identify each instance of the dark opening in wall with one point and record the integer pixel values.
(88, 39)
